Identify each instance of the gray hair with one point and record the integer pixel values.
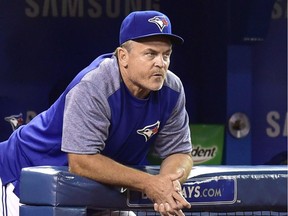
(126, 45)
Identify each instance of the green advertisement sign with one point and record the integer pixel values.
(208, 142)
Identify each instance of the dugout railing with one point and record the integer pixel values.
(211, 190)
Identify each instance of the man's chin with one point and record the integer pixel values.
(157, 88)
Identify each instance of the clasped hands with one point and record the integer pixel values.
(166, 194)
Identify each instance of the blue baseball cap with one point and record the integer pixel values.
(142, 24)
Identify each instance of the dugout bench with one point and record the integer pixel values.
(50, 190)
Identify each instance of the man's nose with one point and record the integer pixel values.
(160, 62)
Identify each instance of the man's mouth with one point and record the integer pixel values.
(158, 74)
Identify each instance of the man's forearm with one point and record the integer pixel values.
(107, 171)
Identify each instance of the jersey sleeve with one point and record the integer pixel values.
(86, 123)
(175, 137)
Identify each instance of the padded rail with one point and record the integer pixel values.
(49, 190)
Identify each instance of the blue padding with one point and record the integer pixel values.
(51, 210)
(208, 188)
(257, 188)
(55, 186)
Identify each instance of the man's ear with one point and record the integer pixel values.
(123, 57)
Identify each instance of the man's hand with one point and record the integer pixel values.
(166, 193)
(162, 189)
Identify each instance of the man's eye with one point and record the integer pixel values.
(167, 56)
(150, 54)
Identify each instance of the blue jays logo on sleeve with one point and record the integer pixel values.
(149, 130)
(15, 121)
(160, 21)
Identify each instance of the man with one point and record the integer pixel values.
(111, 114)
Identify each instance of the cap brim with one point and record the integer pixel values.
(175, 39)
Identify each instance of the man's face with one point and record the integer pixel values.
(147, 65)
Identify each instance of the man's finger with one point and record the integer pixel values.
(180, 200)
(161, 209)
(156, 207)
(179, 213)
(167, 207)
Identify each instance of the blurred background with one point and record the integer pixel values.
(233, 65)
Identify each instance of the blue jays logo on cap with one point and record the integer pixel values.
(142, 24)
(160, 21)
